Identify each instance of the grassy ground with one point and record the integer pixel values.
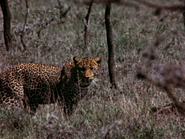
(105, 112)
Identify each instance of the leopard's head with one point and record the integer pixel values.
(86, 68)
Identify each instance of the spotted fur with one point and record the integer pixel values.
(28, 85)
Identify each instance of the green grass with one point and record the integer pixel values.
(125, 115)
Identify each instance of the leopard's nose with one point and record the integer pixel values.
(87, 78)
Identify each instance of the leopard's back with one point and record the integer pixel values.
(29, 84)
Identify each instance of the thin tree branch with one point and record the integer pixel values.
(60, 7)
(63, 14)
(120, 2)
(25, 21)
(86, 22)
(184, 15)
(164, 86)
(43, 25)
(171, 8)
(129, 4)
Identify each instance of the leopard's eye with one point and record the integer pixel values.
(82, 69)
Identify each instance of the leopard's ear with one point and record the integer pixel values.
(98, 60)
(76, 59)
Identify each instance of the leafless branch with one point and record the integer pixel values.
(170, 78)
(120, 2)
(178, 7)
(25, 21)
(51, 20)
(86, 22)
(43, 25)
(129, 4)
(184, 15)
(60, 7)
(63, 14)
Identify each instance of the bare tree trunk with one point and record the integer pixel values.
(86, 22)
(184, 19)
(111, 61)
(6, 24)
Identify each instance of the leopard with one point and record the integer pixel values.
(29, 85)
